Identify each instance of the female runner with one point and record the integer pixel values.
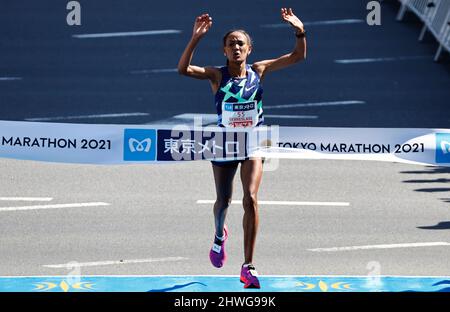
(238, 83)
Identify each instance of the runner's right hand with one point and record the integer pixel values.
(202, 24)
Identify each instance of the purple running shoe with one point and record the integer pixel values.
(249, 277)
(217, 254)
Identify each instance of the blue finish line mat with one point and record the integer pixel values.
(212, 283)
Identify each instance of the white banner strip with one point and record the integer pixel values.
(122, 144)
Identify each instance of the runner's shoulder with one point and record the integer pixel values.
(258, 67)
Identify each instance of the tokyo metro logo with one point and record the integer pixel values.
(443, 147)
(139, 145)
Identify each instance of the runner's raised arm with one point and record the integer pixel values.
(297, 55)
(201, 26)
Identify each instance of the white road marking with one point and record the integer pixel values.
(26, 198)
(335, 22)
(160, 70)
(212, 118)
(187, 119)
(56, 206)
(292, 116)
(155, 71)
(316, 23)
(113, 262)
(381, 59)
(317, 104)
(192, 116)
(88, 116)
(10, 78)
(280, 203)
(128, 34)
(385, 246)
(222, 275)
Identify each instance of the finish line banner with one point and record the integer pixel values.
(122, 144)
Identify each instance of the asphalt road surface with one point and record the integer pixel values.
(351, 217)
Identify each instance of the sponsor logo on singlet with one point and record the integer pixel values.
(236, 107)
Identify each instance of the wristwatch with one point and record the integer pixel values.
(300, 34)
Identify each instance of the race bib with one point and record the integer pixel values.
(239, 115)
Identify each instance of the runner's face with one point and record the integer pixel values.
(237, 47)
